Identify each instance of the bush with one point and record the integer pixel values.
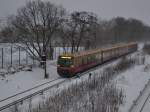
(146, 48)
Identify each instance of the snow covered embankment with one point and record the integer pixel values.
(133, 81)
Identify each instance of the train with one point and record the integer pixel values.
(70, 64)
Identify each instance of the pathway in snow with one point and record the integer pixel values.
(147, 106)
(133, 82)
(143, 104)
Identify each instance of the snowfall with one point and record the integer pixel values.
(131, 81)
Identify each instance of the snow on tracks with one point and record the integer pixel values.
(7, 102)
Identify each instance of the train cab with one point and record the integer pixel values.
(65, 65)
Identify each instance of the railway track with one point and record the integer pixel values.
(14, 99)
(20, 97)
(143, 100)
(145, 103)
(28, 90)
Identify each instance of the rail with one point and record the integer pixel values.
(145, 103)
(28, 90)
(138, 98)
(28, 95)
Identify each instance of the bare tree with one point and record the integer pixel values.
(93, 31)
(36, 24)
(77, 29)
(6, 34)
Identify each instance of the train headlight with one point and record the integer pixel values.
(58, 65)
(72, 66)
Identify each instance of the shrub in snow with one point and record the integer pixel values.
(147, 68)
(11, 70)
(146, 48)
(27, 68)
(3, 72)
(124, 64)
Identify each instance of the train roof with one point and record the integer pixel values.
(78, 54)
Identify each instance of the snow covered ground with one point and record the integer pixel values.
(13, 80)
(131, 81)
(20, 81)
(147, 106)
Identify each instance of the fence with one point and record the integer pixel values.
(12, 56)
(16, 56)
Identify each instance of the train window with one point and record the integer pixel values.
(100, 55)
(65, 62)
(82, 60)
(85, 59)
(91, 58)
(97, 57)
(78, 61)
(88, 59)
(75, 61)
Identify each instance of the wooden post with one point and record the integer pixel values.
(26, 58)
(2, 57)
(11, 55)
(33, 57)
(19, 56)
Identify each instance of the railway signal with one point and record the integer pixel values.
(43, 63)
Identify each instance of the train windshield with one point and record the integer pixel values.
(65, 61)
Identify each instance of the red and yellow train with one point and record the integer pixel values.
(70, 64)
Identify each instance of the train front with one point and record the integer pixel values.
(65, 67)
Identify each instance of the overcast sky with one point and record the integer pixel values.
(106, 9)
